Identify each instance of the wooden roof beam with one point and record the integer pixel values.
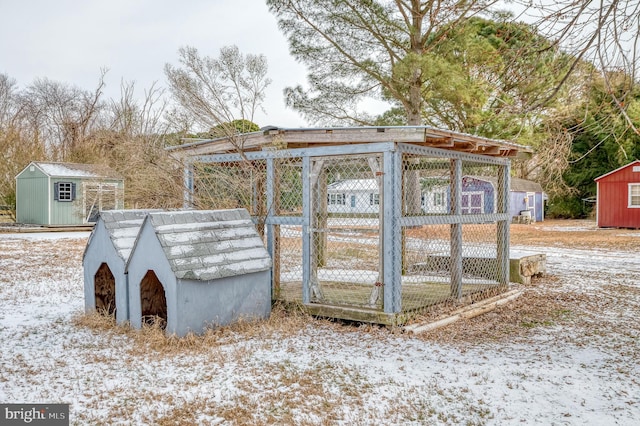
(487, 150)
(280, 138)
(445, 142)
(465, 146)
(506, 152)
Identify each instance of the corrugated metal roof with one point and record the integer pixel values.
(210, 244)
(304, 137)
(76, 170)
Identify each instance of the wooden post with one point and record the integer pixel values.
(321, 212)
(376, 169)
(392, 251)
(273, 231)
(318, 210)
(187, 201)
(306, 227)
(258, 208)
(503, 225)
(456, 228)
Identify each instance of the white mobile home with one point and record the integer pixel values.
(353, 196)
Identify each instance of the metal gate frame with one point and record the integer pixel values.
(392, 218)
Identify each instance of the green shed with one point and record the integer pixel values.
(66, 193)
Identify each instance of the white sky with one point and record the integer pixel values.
(70, 41)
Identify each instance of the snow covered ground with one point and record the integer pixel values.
(579, 366)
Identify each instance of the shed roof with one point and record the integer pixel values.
(286, 138)
(354, 185)
(633, 163)
(122, 228)
(517, 184)
(210, 244)
(75, 170)
(524, 185)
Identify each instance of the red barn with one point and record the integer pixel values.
(618, 197)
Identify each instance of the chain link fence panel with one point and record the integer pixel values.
(329, 246)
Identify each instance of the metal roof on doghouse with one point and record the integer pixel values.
(211, 266)
(49, 193)
(122, 228)
(206, 245)
(106, 253)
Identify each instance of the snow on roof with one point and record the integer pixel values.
(354, 185)
(210, 244)
(77, 170)
(122, 227)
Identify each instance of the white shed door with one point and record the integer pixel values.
(98, 197)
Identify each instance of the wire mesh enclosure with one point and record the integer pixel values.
(370, 232)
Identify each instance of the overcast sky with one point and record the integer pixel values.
(71, 40)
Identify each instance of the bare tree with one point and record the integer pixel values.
(131, 141)
(8, 101)
(17, 145)
(133, 117)
(62, 116)
(53, 121)
(604, 32)
(218, 91)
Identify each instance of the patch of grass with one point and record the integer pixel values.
(562, 314)
(285, 321)
(95, 320)
(533, 323)
(185, 413)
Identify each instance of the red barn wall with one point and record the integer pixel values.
(613, 198)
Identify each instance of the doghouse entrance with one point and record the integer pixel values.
(105, 290)
(152, 299)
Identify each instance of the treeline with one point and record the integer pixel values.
(558, 76)
(564, 86)
(54, 121)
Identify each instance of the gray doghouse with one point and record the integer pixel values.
(105, 258)
(198, 269)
